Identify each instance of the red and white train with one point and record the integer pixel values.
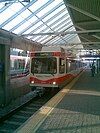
(51, 68)
(19, 73)
(19, 66)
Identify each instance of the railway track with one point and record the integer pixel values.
(16, 118)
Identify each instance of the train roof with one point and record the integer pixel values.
(52, 49)
(55, 49)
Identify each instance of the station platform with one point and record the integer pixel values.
(75, 109)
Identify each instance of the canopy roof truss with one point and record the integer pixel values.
(86, 16)
(68, 23)
(29, 18)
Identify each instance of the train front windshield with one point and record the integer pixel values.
(44, 65)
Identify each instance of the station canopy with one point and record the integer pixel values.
(49, 22)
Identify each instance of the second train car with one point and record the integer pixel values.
(19, 72)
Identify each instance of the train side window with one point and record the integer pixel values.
(61, 65)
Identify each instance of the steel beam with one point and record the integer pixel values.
(63, 33)
(84, 30)
(83, 43)
(16, 41)
(83, 12)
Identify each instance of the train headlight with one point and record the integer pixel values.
(32, 82)
(54, 83)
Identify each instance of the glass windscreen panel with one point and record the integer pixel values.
(44, 65)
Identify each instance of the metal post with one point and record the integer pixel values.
(4, 75)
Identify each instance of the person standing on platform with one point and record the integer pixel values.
(93, 69)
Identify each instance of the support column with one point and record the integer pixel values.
(99, 65)
(5, 92)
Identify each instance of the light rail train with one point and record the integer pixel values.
(52, 68)
(19, 73)
(19, 66)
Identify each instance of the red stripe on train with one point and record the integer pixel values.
(50, 81)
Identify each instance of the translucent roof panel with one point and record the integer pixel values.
(49, 7)
(55, 12)
(36, 20)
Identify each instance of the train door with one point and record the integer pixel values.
(66, 67)
(61, 65)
